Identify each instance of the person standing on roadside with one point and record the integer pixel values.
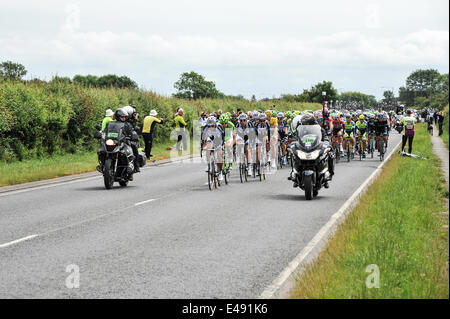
(180, 126)
(408, 132)
(108, 118)
(440, 120)
(148, 131)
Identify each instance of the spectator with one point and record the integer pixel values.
(148, 131)
(180, 126)
(440, 122)
(408, 133)
(108, 118)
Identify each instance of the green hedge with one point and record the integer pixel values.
(40, 118)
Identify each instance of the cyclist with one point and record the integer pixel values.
(212, 139)
(229, 136)
(282, 129)
(381, 129)
(242, 137)
(361, 133)
(263, 136)
(349, 131)
(338, 125)
(371, 129)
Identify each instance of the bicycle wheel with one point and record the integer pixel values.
(381, 150)
(214, 176)
(210, 180)
(360, 150)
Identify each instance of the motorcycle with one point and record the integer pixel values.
(399, 127)
(115, 155)
(310, 169)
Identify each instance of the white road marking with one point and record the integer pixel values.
(292, 269)
(18, 241)
(145, 201)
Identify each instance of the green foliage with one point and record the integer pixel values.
(12, 71)
(105, 81)
(194, 86)
(389, 97)
(39, 118)
(358, 97)
(425, 88)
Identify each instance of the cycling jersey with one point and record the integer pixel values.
(371, 127)
(381, 127)
(282, 130)
(214, 135)
(349, 129)
(361, 127)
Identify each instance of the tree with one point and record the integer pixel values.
(358, 97)
(389, 97)
(12, 71)
(194, 86)
(315, 93)
(253, 98)
(421, 82)
(406, 96)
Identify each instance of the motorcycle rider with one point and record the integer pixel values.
(132, 120)
(309, 119)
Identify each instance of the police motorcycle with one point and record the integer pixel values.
(115, 155)
(312, 156)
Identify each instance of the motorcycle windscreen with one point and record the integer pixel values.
(114, 130)
(309, 136)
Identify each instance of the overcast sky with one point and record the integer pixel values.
(265, 48)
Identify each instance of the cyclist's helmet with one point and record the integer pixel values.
(120, 113)
(211, 121)
(262, 117)
(234, 115)
(348, 116)
(243, 117)
(255, 115)
(268, 113)
(361, 117)
(280, 115)
(380, 115)
(223, 119)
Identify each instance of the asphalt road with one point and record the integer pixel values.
(166, 235)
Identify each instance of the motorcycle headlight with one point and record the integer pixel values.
(110, 142)
(308, 156)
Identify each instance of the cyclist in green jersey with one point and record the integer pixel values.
(349, 131)
(361, 132)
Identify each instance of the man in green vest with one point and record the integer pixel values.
(148, 131)
(108, 118)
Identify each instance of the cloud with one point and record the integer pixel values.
(128, 48)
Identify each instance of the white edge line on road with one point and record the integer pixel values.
(18, 241)
(82, 179)
(145, 202)
(287, 274)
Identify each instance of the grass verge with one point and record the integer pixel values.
(61, 165)
(398, 226)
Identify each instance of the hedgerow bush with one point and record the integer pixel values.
(40, 118)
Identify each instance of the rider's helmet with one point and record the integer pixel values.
(262, 117)
(348, 116)
(119, 114)
(361, 117)
(243, 117)
(255, 115)
(371, 116)
(308, 119)
(223, 119)
(211, 121)
(234, 115)
(280, 115)
(268, 113)
(380, 115)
